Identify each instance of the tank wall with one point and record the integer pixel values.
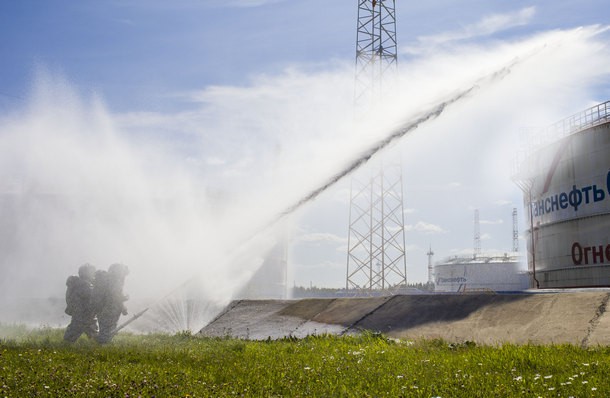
(496, 276)
(569, 211)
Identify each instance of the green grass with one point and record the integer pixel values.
(38, 364)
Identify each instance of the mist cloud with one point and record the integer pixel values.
(188, 193)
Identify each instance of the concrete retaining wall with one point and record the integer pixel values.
(578, 318)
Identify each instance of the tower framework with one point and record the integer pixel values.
(515, 231)
(376, 49)
(376, 258)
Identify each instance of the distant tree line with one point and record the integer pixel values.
(314, 291)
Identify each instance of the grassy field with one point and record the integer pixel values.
(38, 364)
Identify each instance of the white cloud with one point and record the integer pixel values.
(462, 252)
(498, 22)
(215, 161)
(249, 3)
(324, 237)
(342, 248)
(411, 248)
(194, 4)
(426, 228)
(485, 27)
(492, 222)
(324, 265)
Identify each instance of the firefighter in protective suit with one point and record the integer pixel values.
(109, 300)
(79, 304)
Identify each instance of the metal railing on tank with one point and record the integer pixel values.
(594, 116)
(536, 138)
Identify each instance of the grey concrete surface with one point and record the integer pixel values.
(578, 318)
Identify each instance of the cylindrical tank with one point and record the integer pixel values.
(566, 186)
(483, 273)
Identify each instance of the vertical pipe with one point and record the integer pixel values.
(532, 239)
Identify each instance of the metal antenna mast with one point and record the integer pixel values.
(430, 254)
(515, 231)
(477, 234)
(376, 257)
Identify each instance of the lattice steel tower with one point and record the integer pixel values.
(515, 231)
(375, 49)
(376, 258)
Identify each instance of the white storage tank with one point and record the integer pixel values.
(566, 186)
(483, 273)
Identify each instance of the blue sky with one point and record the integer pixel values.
(138, 53)
(222, 84)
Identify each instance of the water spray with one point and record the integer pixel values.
(427, 115)
(430, 114)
